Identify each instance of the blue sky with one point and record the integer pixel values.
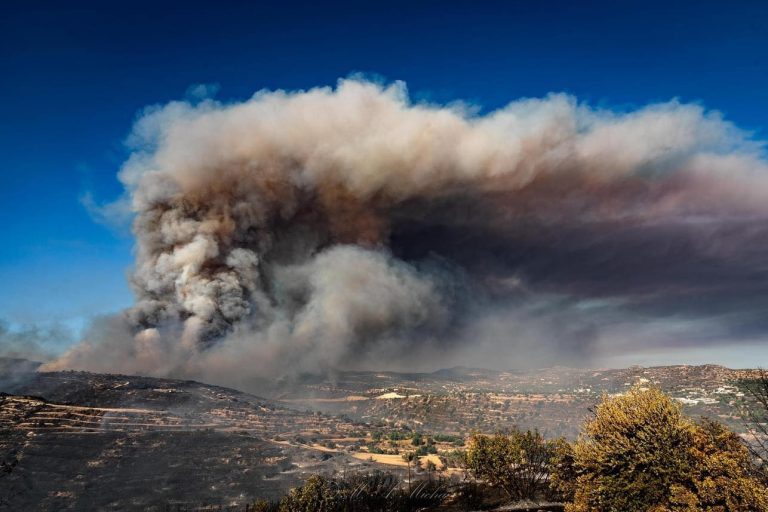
(75, 75)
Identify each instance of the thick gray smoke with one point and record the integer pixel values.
(36, 343)
(332, 227)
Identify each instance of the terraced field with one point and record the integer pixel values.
(103, 442)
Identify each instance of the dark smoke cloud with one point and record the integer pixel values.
(349, 226)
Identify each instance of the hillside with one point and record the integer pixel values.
(83, 441)
(553, 400)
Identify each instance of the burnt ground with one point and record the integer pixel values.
(82, 441)
(85, 441)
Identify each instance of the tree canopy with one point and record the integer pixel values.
(517, 462)
(640, 453)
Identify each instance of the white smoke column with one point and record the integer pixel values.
(265, 228)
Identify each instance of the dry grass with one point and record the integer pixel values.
(397, 460)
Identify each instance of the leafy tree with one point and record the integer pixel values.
(445, 438)
(425, 450)
(372, 492)
(562, 478)
(755, 410)
(372, 448)
(640, 453)
(316, 495)
(263, 506)
(518, 462)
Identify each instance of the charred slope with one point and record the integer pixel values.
(83, 441)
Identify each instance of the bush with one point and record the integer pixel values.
(373, 492)
(639, 453)
(263, 506)
(316, 495)
(396, 436)
(755, 411)
(518, 463)
(454, 440)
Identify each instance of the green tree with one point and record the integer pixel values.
(562, 478)
(640, 453)
(263, 506)
(755, 411)
(316, 495)
(518, 462)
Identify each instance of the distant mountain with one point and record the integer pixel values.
(464, 372)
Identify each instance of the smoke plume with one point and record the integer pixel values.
(350, 226)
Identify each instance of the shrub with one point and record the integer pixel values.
(640, 453)
(518, 462)
(372, 492)
(755, 411)
(454, 440)
(316, 495)
(263, 506)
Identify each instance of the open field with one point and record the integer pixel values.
(397, 460)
